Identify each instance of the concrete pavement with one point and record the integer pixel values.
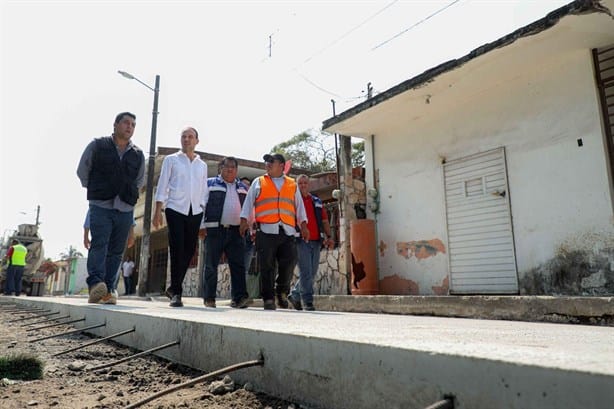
(356, 360)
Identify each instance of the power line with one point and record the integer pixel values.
(348, 32)
(414, 25)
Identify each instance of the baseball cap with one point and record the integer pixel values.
(273, 157)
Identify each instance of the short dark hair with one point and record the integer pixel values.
(15, 241)
(121, 115)
(246, 178)
(229, 159)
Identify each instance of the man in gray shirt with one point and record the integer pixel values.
(112, 170)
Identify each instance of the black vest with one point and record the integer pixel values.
(110, 177)
(217, 197)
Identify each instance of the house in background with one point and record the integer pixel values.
(493, 172)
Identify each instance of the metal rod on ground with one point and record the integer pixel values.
(75, 331)
(55, 325)
(34, 317)
(247, 364)
(47, 320)
(87, 344)
(25, 310)
(442, 404)
(147, 352)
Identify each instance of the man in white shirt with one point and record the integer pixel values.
(182, 190)
(127, 269)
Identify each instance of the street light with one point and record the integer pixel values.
(144, 260)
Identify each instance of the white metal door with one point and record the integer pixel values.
(480, 236)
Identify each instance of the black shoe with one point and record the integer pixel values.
(269, 304)
(296, 302)
(169, 293)
(242, 303)
(176, 301)
(210, 302)
(309, 307)
(282, 301)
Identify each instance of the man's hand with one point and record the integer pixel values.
(304, 231)
(329, 243)
(202, 233)
(243, 227)
(86, 239)
(157, 219)
(130, 240)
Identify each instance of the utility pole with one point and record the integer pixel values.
(369, 90)
(270, 45)
(38, 212)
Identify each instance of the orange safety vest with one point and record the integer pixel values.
(272, 205)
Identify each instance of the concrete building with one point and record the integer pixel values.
(492, 173)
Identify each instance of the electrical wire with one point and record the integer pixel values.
(415, 25)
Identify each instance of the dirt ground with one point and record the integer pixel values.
(67, 383)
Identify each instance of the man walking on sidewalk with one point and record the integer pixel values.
(278, 208)
(182, 189)
(309, 251)
(112, 169)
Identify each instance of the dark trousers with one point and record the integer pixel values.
(13, 280)
(182, 240)
(275, 250)
(128, 285)
(225, 240)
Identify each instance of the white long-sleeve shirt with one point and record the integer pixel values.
(183, 183)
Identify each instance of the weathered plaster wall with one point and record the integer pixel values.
(559, 192)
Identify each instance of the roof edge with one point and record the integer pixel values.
(577, 7)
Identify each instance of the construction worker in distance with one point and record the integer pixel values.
(16, 257)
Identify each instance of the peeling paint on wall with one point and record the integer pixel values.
(382, 248)
(572, 272)
(443, 288)
(395, 285)
(420, 249)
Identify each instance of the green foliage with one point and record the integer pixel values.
(315, 151)
(71, 252)
(21, 366)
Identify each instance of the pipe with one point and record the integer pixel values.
(247, 364)
(55, 325)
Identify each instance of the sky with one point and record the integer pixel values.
(246, 75)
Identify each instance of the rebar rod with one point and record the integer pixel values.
(43, 321)
(247, 364)
(34, 317)
(55, 325)
(446, 403)
(25, 310)
(87, 344)
(149, 351)
(68, 332)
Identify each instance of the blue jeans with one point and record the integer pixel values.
(225, 240)
(13, 280)
(109, 229)
(128, 285)
(308, 263)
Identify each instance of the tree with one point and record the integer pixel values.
(71, 252)
(315, 151)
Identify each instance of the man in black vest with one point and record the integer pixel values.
(112, 169)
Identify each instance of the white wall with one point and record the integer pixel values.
(559, 192)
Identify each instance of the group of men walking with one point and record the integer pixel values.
(287, 223)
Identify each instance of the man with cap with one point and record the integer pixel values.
(278, 207)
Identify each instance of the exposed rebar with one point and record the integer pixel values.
(47, 320)
(34, 317)
(119, 361)
(68, 332)
(94, 342)
(202, 378)
(55, 325)
(447, 403)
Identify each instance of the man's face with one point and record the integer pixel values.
(274, 168)
(229, 171)
(303, 186)
(189, 140)
(124, 128)
(247, 183)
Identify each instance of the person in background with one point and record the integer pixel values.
(16, 258)
(127, 270)
(112, 169)
(309, 251)
(276, 202)
(222, 219)
(253, 285)
(182, 190)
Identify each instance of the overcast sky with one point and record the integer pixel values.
(60, 87)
